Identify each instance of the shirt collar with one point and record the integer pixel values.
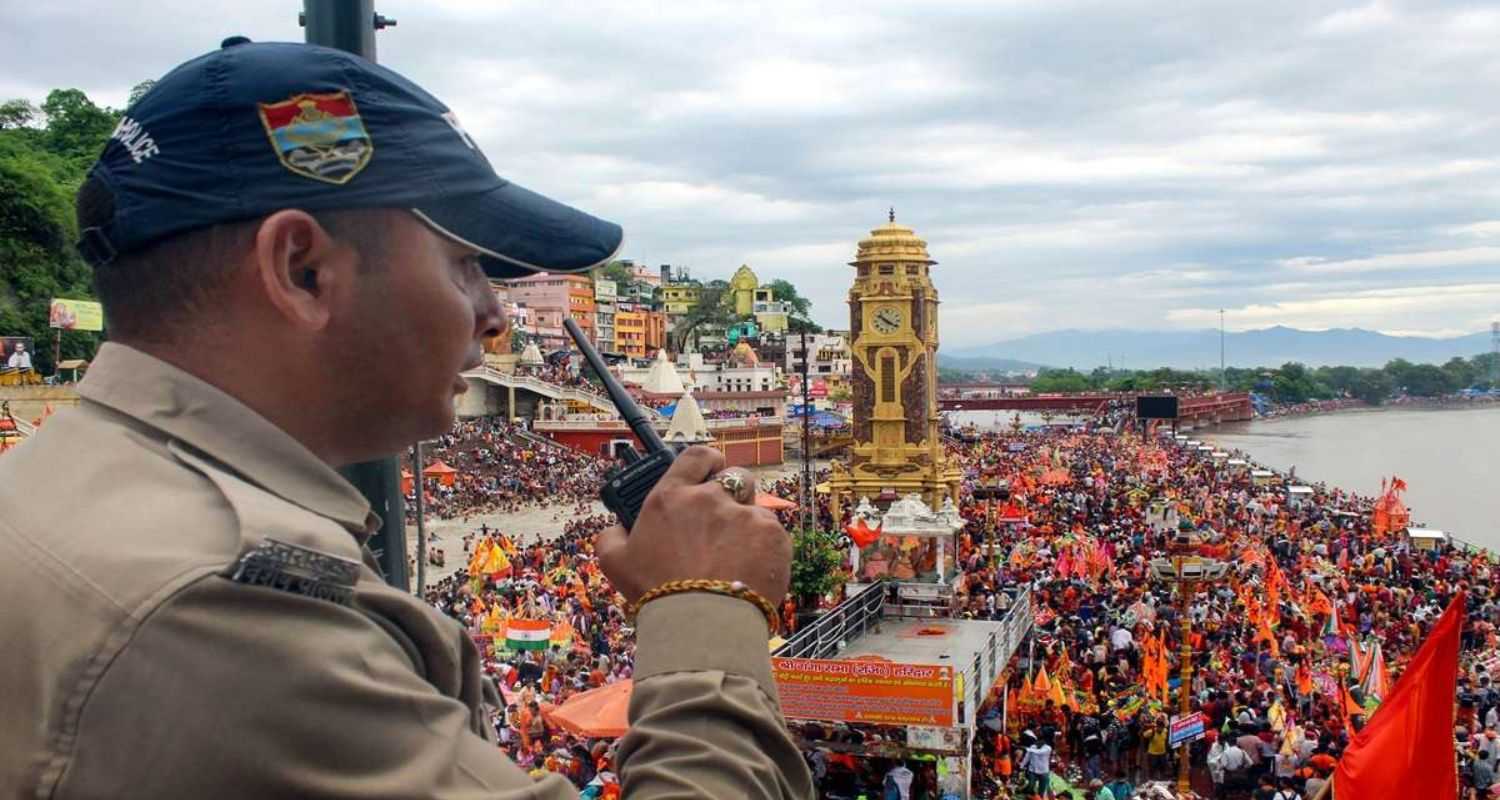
(190, 410)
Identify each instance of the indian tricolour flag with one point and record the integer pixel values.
(528, 634)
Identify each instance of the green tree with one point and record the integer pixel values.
(17, 114)
(1428, 380)
(77, 130)
(817, 559)
(139, 90)
(1486, 368)
(713, 310)
(1342, 380)
(1460, 372)
(1051, 381)
(1400, 371)
(40, 170)
(619, 273)
(1374, 386)
(782, 291)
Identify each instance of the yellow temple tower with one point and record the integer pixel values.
(893, 322)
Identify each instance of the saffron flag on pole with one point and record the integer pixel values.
(1407, 749)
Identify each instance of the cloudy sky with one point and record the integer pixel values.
(1071, 164)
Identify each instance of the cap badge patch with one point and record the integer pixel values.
(318, 136)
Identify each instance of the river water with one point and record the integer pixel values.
(1449, 458)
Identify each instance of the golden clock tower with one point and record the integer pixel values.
(893, 323)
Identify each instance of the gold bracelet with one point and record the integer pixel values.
(726, 588)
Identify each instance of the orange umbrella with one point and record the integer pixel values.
(444, 473)
(597, 713)
(773, 502)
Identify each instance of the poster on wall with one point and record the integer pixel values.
(16, 353)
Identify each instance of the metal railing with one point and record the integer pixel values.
(553, 390)
(980, 674)
(831, 632)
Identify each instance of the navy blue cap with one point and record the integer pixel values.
(251, 129)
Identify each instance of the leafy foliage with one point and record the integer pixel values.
(40, 171)
(817, 557)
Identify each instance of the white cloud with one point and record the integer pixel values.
(1356, 20)
(1426, 310)
(1432, 259)
(1071, 164)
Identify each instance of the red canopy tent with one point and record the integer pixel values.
(444, 473)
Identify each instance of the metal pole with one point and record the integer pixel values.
(416, 473)
(1223, 375)
(808, 518)
(350, 25)
(1184, 784)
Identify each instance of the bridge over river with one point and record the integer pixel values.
(1200, 409)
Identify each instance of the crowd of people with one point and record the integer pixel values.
(1291, 652)
(589, 645)
(501, 468)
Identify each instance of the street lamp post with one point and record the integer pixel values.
(1188, 572)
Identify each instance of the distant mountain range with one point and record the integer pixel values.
(1194, 349)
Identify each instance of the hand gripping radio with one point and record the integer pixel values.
(626, 487)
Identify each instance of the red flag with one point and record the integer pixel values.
(1406, 750)
(861, 533)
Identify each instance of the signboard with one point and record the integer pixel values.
(16, 353)
(1160, 407)
(1185, 728)
(76, 315)
(947, 740)
(921, 591)
(819, 389)
(865, 691)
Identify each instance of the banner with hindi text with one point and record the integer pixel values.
(865, 691)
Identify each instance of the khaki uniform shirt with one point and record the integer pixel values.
(187, 609)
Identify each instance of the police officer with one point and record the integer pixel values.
(293, 248)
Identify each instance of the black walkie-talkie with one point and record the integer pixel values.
(625, 491)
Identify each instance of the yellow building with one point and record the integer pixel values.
(742, 286)
(893, 318)
(679, 298)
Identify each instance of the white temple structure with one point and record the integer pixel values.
(899, 558)
(688, 425)
(531, 356)
(663, 377)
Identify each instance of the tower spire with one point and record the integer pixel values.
(893, 214)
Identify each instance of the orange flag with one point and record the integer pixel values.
(1263, 631)
(1406, 750)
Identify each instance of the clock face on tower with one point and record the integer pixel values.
(887, 319)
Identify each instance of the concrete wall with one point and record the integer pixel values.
(29, 402)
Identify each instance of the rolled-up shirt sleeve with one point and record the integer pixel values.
(705, 718)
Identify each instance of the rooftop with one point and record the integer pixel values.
(902, 641)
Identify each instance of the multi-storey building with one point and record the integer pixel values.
(548, 296)
(604, 314)
(771, 315)
(679, 298)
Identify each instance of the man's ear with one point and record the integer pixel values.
(301, 267)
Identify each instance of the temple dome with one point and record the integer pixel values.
(892, 242)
